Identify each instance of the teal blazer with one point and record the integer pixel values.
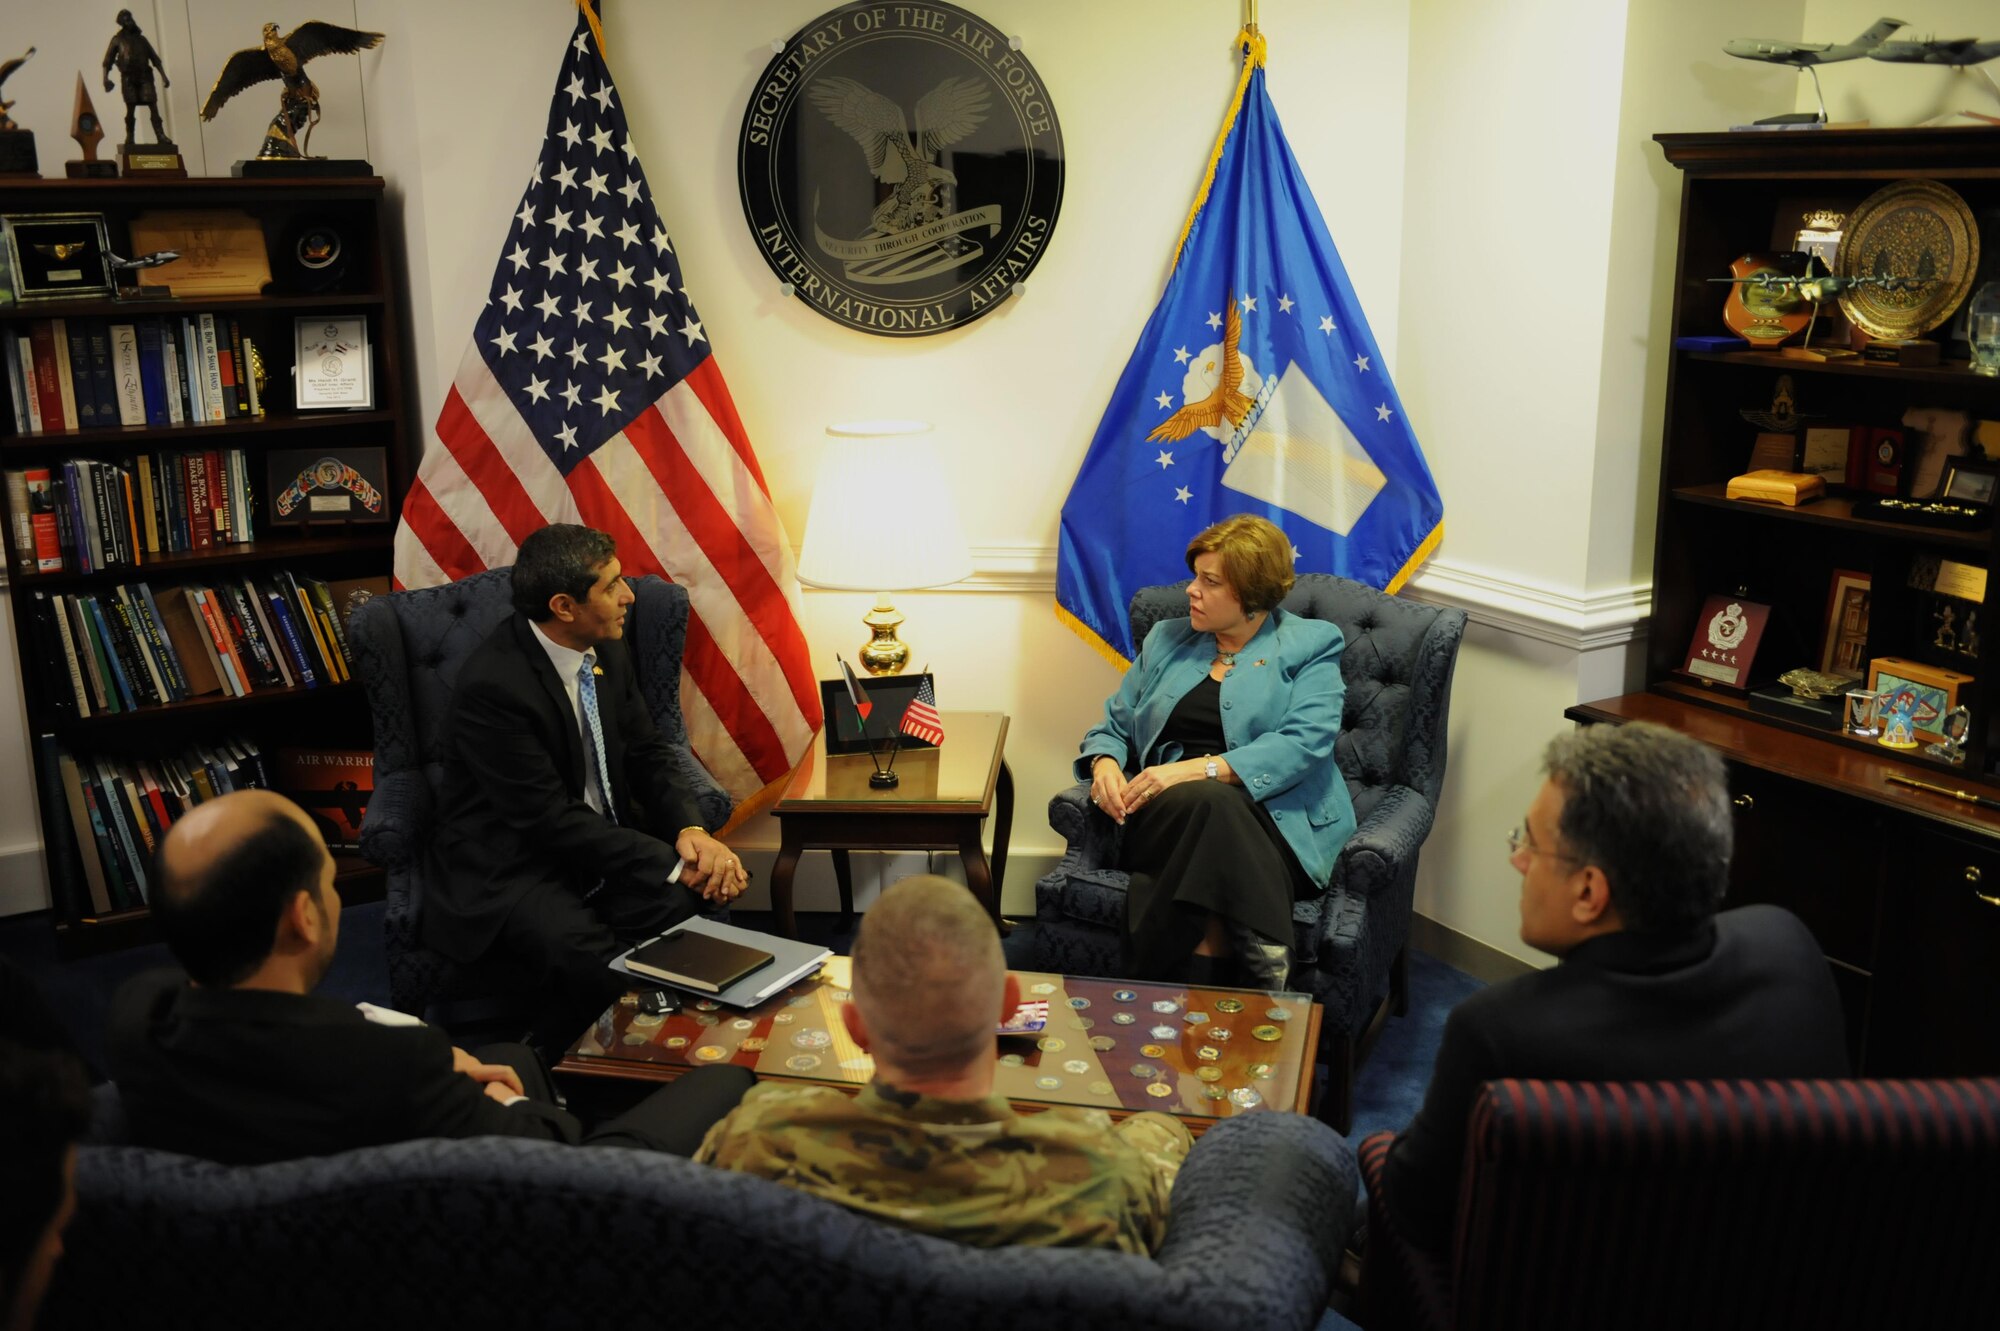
(1280, 716)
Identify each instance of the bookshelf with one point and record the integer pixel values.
(1900, 886)
(161, 703)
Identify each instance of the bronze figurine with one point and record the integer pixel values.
(284, 58)
(136, 60)
(17, 145)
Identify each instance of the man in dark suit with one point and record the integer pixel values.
(1623, 861)
(240, 1062)
(558, 831)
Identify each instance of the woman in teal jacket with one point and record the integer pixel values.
(1216, 757)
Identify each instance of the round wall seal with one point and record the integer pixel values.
(901, 167)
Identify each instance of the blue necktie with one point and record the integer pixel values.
(586, 692)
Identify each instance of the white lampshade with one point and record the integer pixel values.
(882, 517)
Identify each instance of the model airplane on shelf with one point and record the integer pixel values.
(1822, 288)
(1953, 51)
(1808, 56)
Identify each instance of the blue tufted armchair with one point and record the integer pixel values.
(1348, 945)
(410, 646)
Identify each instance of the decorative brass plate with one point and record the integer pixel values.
(1913, 228)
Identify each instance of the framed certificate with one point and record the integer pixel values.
(332, 364)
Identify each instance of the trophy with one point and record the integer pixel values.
(17, 145)
(88, 133)
(287, 147)
(136, 60)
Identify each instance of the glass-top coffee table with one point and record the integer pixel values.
(1200, 1054)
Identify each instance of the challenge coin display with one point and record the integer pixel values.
(901, 167)
(58, 256)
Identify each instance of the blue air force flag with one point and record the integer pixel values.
(1255, 388)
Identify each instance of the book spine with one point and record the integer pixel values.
(253, 762)
(89, 506)
(128, 531)
(86, 651)
(24, 351)
(170, 355)
(152, 372)
(201, 517)
(103, 379)
(174, 505)
(129, 696)
(118, 819)
(18, 389)
(243, 634)
(235, 680)
(44, 546)
(125, 369)
(300, 657)
(163, 646)
(324, 597)
(211, 371)
(254, 605)
(310, 629)
(66, 887)
(85, 837)
(242, 368)
(20, 522)
(226, 365)
(74, 352)
(57, 674)
(250, 378)
(218, 497)
(133, 619)
(149, 534)
(245, 504)
(41, 333)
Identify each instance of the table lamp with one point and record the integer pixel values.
(882, 520)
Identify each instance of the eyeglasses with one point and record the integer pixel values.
(1517, 841)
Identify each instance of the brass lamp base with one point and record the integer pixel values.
(885, 653)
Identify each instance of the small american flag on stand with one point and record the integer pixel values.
(920, 718)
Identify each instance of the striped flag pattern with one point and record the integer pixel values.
(589, 393)
(920, 718)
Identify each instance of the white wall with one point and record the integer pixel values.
(1887, 94)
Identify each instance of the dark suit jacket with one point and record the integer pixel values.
(1746, 996)
(511, 812)
(251, 1076)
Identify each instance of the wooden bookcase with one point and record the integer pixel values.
(1902, 888)
(331, 715)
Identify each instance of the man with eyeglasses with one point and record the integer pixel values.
(1623, 857)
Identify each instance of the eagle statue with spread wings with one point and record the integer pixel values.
(284, 58)
(907, 165)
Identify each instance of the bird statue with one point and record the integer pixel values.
(947, 113)
(284, 58)
(7, 68)
(1226, 403)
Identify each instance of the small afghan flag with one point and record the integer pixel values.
(855, 693)
(920, 718)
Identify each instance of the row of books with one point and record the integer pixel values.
(119, 808)
(81, 515)
(88, 374)
(134, 646)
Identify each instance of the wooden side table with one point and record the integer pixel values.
(944, 796)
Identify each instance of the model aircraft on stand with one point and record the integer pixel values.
(1808, 56)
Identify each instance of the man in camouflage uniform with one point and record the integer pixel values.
(927, 1145)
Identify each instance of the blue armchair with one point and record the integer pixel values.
(506, 1232)
(409, 647)
(1349, 944)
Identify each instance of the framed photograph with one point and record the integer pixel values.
(889, 696)
(1971, 481)
(221, 252)
(58, 256)
(345, 485)
(1844, 647)
(1922, 692)
(332, 364)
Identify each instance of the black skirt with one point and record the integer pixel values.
(1203, 848)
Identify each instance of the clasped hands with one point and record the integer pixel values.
(1111, 792)
(709, 867)
(499, 1081)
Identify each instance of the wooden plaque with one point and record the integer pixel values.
(222, 252)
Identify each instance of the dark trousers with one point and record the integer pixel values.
(672, 1119)
(572, 942)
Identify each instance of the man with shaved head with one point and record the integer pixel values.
(240, 1062)
(926, 1144)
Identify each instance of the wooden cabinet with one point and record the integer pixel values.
(1901, 887)
(280, 707)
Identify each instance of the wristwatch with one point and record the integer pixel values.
(1214, 772)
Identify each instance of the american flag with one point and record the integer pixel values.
(920, 718)
(589, 393)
